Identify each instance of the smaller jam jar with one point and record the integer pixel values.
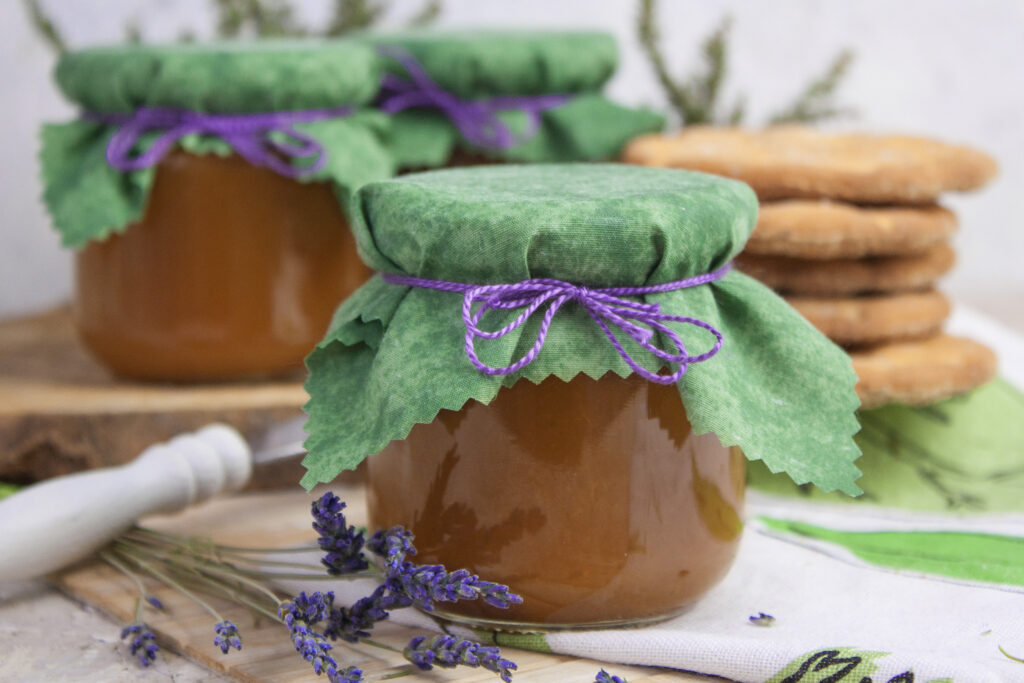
(558, 377)
(464, 98)
(202, 188)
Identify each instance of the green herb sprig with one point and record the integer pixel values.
(697, 98)
(257, 18)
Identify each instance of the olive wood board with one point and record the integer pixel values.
(281, 519)
(61, 412)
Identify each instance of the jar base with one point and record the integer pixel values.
(522, 627)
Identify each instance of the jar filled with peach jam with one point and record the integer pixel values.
(233, 271)
(556, 381)
(203, 190)
(593, 499)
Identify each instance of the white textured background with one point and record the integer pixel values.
(947, 68)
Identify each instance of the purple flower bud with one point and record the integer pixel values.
(605, 677)
(227, 636)
(426, 584)
(349, 675)
(449, 652)
(341, 543)
(300, 615)
(141, 641)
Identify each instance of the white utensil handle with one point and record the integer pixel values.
(52, 524)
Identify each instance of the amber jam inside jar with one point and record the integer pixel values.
(233, 271)
(591, 499)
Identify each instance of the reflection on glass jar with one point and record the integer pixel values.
(592, 499)
(233, 271)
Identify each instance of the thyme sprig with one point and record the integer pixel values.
(697, 98)
(256, 18)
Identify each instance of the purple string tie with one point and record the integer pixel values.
(477, 120)
(248, 134)
(640, 321)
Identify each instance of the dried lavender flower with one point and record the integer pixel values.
(343, 544)
(354, 623)
(142, 642)
(449, 652)
(351, 674)
(227, 636)
(154, 601)
(426, 584)
(300, 615)
(394, 545)
(762, 619)
(605, 677)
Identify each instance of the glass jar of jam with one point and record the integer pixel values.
(233, 270)
(464, 375)
(592, 499)
(203, 188)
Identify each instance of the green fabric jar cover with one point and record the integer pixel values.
(89, 200)
(395, 356)
(482, 64)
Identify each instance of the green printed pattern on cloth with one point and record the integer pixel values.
(394, 356)
(840, 665)
(989, 558)
(965, 453)
(8, 489)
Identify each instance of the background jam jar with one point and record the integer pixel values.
(591, 499)
(232, 271)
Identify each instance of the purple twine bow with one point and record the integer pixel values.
(639, 321)
(248, 135)
(477, 120)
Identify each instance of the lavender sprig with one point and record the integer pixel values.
(227, 636)
(394, 545)
(192, 566)
(354, 623)
(449, 652)
(351, 674)
(300, 616)
(426, 584)
(142, 642)
(342, 543)
(605, 677)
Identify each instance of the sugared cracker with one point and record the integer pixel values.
(921, 372)
(846, 277)
(821, 229)
(788, 162)
(875, 319)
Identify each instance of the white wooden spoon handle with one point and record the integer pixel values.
(52, 524)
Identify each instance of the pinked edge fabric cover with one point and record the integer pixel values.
(394, 356)
(88, 200)
(479, 64)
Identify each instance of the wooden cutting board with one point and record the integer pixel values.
(279, 520)
(61, 412)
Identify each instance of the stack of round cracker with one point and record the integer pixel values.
(850, 233)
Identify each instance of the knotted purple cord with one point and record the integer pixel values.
(604, 305)
(248, 135)
(477, 120)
